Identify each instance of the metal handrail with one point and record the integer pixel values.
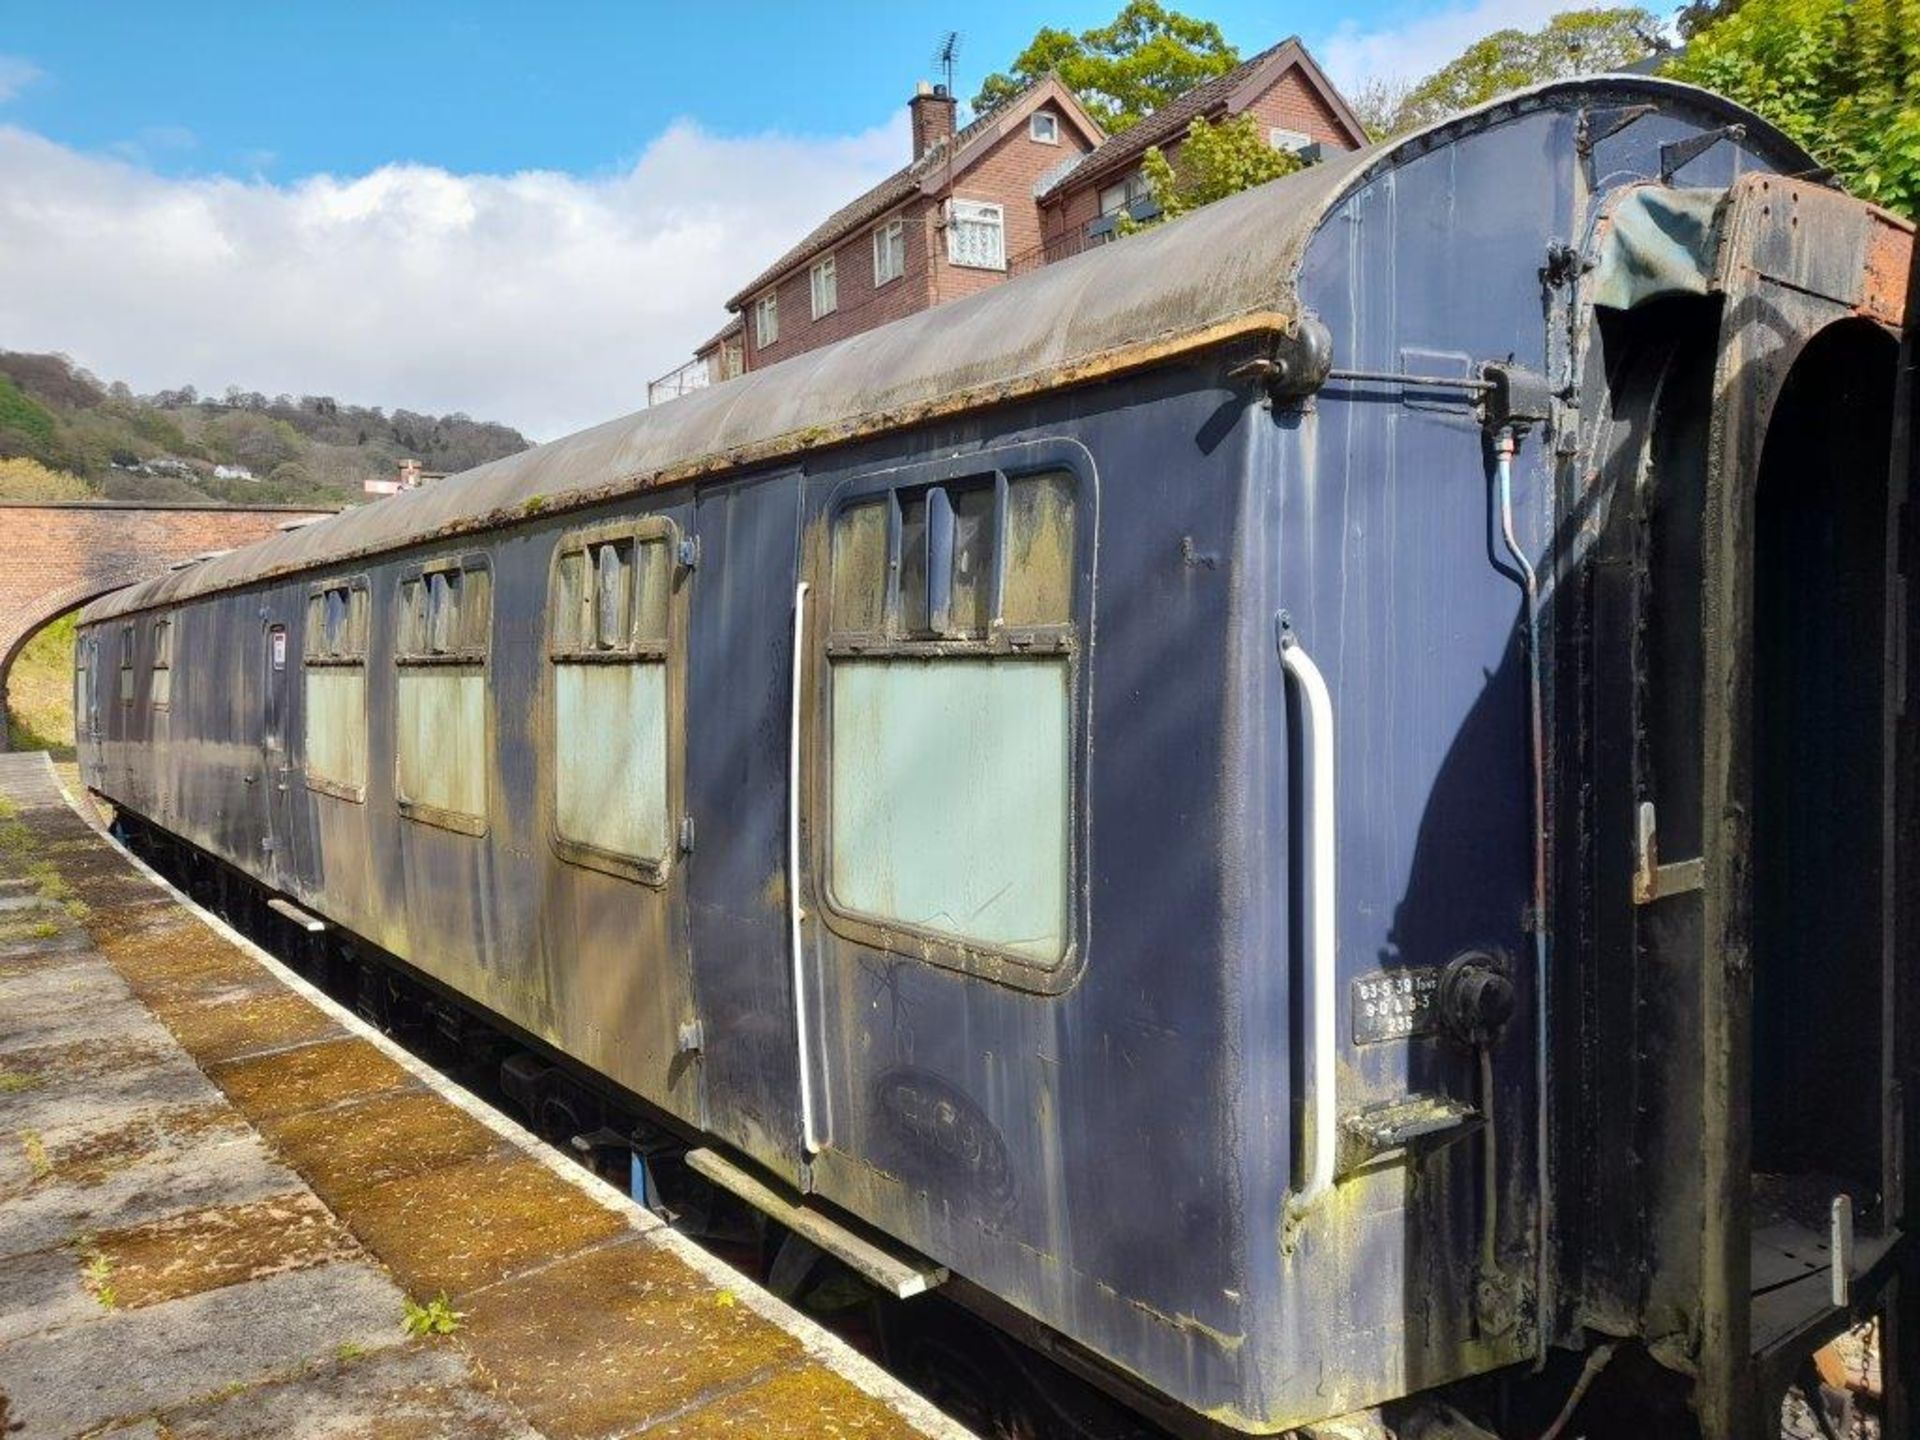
(1316, 744)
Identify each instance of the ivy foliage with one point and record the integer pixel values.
(1213, 160)
(1842, 77)
(1121, 71)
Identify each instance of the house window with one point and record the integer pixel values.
(732, 360)
(611, 647)
(826, 288)
(160, 679)
(766, 319)
(976, 235)
(1291, 141)
(1044, 126)
(445, 624)
(1123, 193)
(333, 685)
(889, 252)
(952, 650)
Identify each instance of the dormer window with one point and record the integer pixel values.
(1044, 126)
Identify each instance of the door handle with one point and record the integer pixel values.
(1317, 871)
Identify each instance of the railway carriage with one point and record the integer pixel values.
(1308, 806)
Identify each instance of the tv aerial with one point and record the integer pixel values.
(945, 55)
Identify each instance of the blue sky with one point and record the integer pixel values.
(520, 212)
(289, 90)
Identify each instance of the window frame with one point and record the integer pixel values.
(1074, 640)
(126, 663)
(954, 223)
(464, 561)
(160, 660)
(884, 236)
(315, 660)
(1053, 124)
(641, 529)
(823, 278)
(766, 320)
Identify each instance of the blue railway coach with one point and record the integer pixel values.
(1305, 807)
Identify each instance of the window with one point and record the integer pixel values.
(766, 319)
(126, 664)
(732, 360)
(889, 252)
(444, 625)
(1044, 126)
(334, 690)
(952, 653)
(1122, 194)
(976, 235)
(611, 647)
(1292, 141)
(825, 287)
(160, 679)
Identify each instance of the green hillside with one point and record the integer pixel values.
(66, 435)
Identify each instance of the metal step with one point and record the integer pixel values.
(898, 1272)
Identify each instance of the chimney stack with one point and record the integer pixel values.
(932, 110)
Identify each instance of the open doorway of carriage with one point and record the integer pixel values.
(1826, 1053)
(1821, 797)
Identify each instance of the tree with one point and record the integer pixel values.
(1214, 160)
(24, 479)
(1577, 42)
(1842, 77)
(1122, 71)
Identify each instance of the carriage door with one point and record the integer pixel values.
(276, 776)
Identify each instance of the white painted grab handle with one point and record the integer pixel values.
(802, 1040)
(1316, 747)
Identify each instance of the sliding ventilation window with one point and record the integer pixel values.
(334, 684)
(440, 697)
(160, 679)
(614, 687)
(953, 654)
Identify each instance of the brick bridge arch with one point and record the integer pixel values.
(55, 556)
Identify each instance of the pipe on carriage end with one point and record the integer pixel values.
(1506, 443)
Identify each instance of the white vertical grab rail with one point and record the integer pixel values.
(1316, 744)
(809, 1140)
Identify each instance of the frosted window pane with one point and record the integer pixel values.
(336, 734)
(442, 735)
(950, 798)
(610, 762)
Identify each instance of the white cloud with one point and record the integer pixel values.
(15, 75)
(1416, 44)
(543, 300)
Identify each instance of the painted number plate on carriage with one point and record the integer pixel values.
(1394, 1004)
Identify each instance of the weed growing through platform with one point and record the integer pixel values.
(12, 1082)
(36, 1149)
(350, 1352)
(98, 1272)
(436, 1317)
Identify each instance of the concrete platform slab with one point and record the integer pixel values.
(220, 1193)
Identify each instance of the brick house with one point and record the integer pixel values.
(940, 227)
(1034, 180)
(1283, 88)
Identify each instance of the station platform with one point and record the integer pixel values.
(223, 1198)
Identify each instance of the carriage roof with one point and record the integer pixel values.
(1227, 271)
